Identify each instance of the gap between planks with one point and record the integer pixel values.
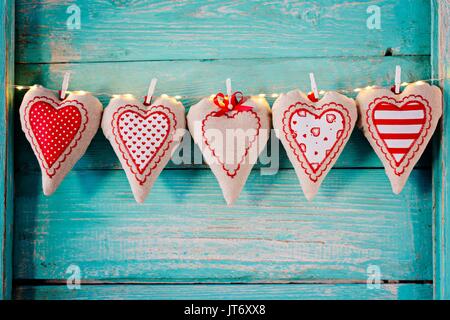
(60, 282)
(221, 59)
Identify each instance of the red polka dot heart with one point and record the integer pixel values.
(59, 131)
(56, 128)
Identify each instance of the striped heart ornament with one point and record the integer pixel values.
(400, 126)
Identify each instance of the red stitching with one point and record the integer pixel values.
(381, 143)
(141, 171)
(51, 171)
(234, 113)
(124, 149)
(293, 144)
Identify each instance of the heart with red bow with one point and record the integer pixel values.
(231, 132)
(226, 104)
(59, 131)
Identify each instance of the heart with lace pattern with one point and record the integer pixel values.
(313, 133)
(399, 126)
(59, 131)
(143, 138)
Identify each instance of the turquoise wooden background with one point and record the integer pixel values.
(272, 243)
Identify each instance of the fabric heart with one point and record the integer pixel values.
(58, 131)
(313, 133)
(143, 138)
(55, 127)
(230, 141)
(143, 135)
(400, 126)
(231, 121)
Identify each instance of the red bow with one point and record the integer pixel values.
(237, 100)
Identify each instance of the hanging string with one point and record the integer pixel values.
(262, 95)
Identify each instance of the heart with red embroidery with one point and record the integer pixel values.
(230, 140)
(143, 138)
(231, 159)
(143, 135)
(316, 134)
(55, 127)
(58, 131)
(313, 133)
(400, 126)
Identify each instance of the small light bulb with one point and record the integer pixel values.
(404, 84)
(164, 96)
(420, 82)
(177, 97)
(20, 87)
(261, 95)
(357, 90)
(274, 95)
(322, 92)
(116, 96)
(128, 96)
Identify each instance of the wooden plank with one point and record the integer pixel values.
(441, 182)
(228, 292)
(6, 151)
(194, 80)
(164, 30)
(185, 232)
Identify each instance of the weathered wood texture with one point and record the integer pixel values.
(197, 79)
(6, 139)
(228, 292)
(441, 57)
(184, 232)
(154, 30)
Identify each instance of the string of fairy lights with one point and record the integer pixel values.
(273, 95)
